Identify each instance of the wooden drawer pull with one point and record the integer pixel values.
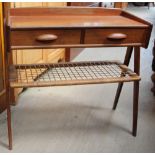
(46, 38)
(117, 36)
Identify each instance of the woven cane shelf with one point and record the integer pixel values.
(76, 73)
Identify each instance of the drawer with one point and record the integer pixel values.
(116, 36)
(44, 38)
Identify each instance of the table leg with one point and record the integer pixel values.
(67, 54)
(8, 100)
(153, 80)
(120, 85)
(9, 118)
(153, 69)
(136, 90)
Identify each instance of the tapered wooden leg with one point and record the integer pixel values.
(8, 100)
(136, 90)
(120, 85)
(119, 89)
(67, 54)
(153, 69)
(9, 119)
(135, 107)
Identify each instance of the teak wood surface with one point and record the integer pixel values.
(78, 27)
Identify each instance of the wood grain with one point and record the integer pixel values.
(101, 36)
(29, 37)
(95, 25)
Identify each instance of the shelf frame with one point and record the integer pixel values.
(71, 73)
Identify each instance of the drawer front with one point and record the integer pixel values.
(116, 37)
(44, 38)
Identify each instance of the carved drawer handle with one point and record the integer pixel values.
(117, 36)
(46, 38)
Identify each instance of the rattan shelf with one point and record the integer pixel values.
(75, 73)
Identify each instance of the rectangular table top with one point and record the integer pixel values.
(72, 18)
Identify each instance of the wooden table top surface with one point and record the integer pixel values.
(72, 18)
(75, 21)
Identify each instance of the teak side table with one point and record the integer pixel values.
(34, 28)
